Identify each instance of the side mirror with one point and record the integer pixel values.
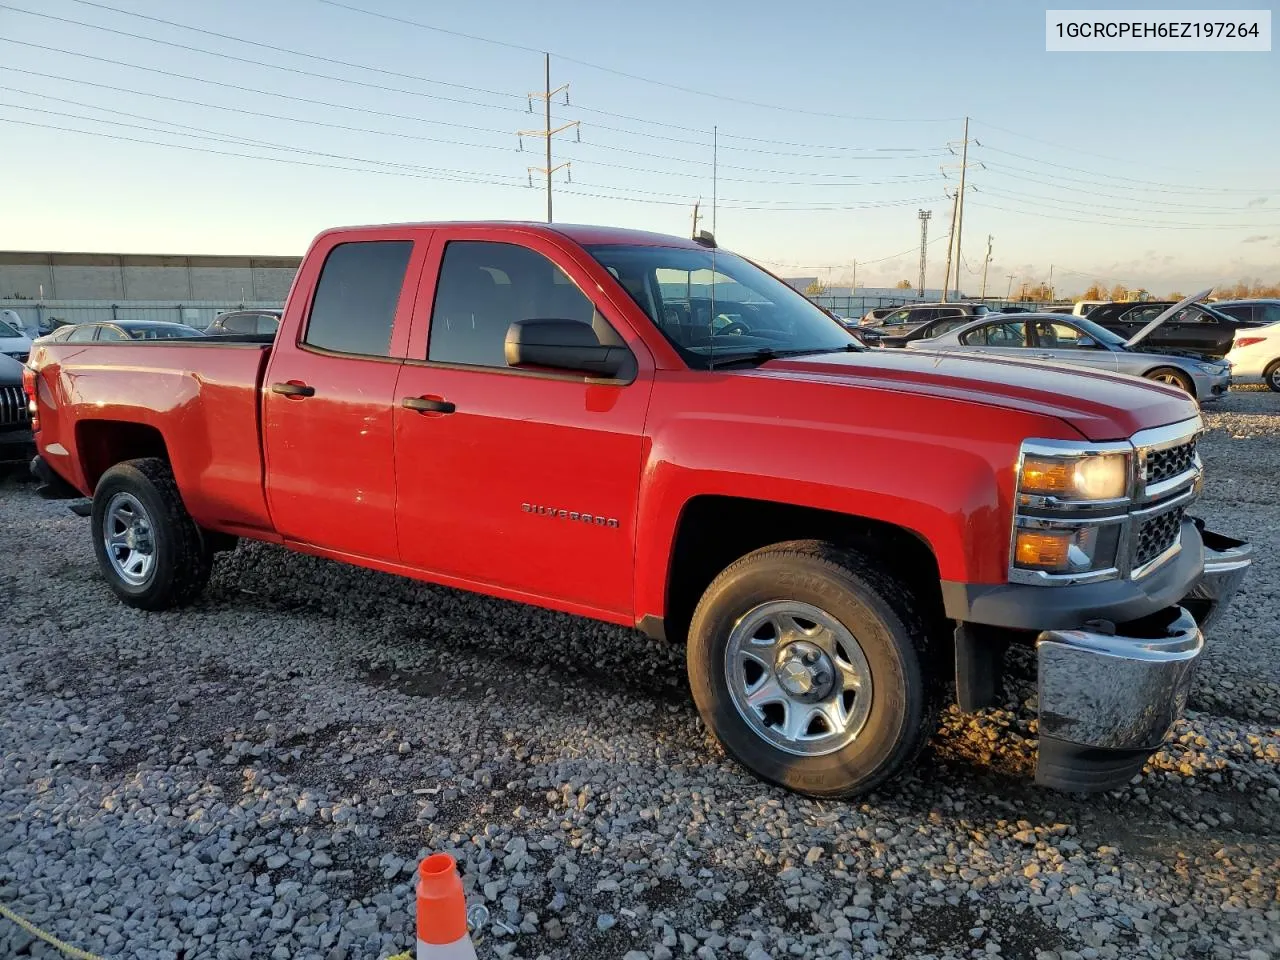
(562, 345)
(1086, 342)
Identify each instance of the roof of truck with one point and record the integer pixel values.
(579, 233)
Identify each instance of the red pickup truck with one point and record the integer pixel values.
(655, 432)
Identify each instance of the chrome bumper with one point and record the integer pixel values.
(1108, 699)
(1226, 561)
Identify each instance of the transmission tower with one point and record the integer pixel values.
(547, 131)
(924, 216)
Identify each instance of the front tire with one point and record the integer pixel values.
(150, 551)
(809, 666)
(1173, 377)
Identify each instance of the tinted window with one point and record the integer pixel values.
(897, 317)
(981, 310)
(1267, 313)
(1007, 334)
(82, 334)
(356, 298)
(947, 325)
(1238, 311)
(485, 287)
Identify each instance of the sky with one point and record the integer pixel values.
(254, 125)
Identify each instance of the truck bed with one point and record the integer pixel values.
(195, 399)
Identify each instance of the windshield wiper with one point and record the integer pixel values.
(757, 357)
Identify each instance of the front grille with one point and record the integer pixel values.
(1155, 535)
(13, 406)
(22, 356)
(1170, 462)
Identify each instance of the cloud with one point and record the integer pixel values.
(1257, 202)
(1256, 238)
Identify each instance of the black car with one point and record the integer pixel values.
(931, 328)
(905, 319)
(16, 442)
(1259, 312)
(1197, 328)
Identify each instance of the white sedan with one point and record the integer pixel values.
(1255, 356)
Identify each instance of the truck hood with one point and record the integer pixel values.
(1099, 405)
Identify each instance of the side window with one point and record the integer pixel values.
(82, 334)
(110, 333)
(1142, 314)
(1008, 334)
(484, 287)
(1267, 313)
(896, 318)
(355, 303)
(1057, 336)
(1194, 314)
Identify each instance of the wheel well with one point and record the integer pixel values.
(714, 531)
(1182, 373)
(104, 443)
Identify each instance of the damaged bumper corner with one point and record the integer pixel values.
(1109, 696)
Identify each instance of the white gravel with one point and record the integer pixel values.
(256, 777)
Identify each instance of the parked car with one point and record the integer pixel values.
(245, 321)
(1083, 308)
(12, 318)
(833, 533)
(14, 343)
(904, 319)
(16, 442)
(1078, 341)
(1258, 312)
(873, 316)
(121, 330)
(930, 328)
(1255, 356)
(1198, 327)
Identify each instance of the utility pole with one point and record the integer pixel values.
(951, 237)
(924, 216)
(1051, 282)
(547, 132)
(964, 168)
(1009, 293)
(986, 263)
(715, 174)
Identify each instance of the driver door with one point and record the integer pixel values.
(1068, 344)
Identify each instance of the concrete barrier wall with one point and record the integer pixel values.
(109, 276)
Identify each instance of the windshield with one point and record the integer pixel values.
(8, 331)
(710, 304)
(1099, 333)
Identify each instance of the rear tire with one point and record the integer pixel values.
(151, 553)
(1272, 376)
(1173, 377)
(832, 613)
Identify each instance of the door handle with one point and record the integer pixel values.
(427, 405)
(293, 389)
(1044, 356)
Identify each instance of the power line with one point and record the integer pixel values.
(1188, 210)
(1162, 224)
(374, 112)
(399, 74)
(1003, 171)
(790, 109)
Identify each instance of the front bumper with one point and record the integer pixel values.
(16, 446)
(1107, 699)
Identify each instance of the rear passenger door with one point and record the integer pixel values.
(999, 338)
(327, 402)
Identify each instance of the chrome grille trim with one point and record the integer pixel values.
(13, 406)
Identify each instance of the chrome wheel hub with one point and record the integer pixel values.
(128, 538)
(798, 677)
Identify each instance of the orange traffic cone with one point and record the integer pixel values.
(442, 911)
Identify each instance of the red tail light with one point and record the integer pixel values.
(29, 388)
(1248, 341)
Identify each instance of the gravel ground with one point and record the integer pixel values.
(256, 776)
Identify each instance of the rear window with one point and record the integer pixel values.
(356, 299)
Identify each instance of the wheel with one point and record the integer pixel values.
(808, 665)
(1272, 376)
(1172, 376)
(150, 551)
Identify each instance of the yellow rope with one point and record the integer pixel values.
(74, 952)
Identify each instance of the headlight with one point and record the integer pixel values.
(1211, 368)
(1097, 477)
